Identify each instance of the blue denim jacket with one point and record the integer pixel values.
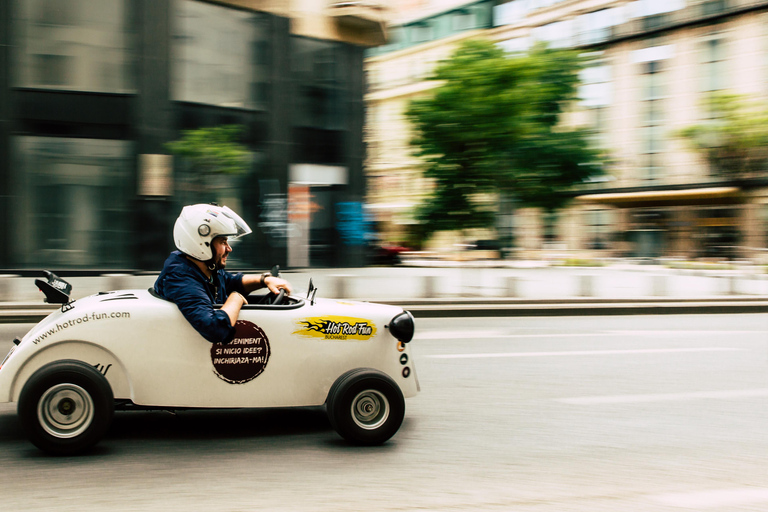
(184, 284)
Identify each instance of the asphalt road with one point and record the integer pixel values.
(635, 413)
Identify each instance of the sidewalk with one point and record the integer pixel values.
(497, 288)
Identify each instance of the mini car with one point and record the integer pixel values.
(132, 349)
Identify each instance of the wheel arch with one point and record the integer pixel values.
(92, 354)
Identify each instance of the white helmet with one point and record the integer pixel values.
(199, 224)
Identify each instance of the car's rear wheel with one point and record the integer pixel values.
(66, 407)
(365, 406)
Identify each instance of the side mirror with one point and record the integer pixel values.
(311, 292)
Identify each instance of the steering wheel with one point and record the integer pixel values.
(279, 297)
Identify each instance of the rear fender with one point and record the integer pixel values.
(94, 355)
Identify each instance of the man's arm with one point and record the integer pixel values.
(215, 325)
(253, 282)
(233, 305)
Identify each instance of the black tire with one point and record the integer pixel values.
(365, 406)
(66, 407)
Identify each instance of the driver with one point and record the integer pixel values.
(194, 277)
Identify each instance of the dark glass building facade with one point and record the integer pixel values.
(91, 91)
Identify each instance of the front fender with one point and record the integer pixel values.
(17, 370)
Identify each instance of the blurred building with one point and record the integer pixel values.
(92, 90)
(652, 65)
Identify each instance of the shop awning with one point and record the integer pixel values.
(710, 195)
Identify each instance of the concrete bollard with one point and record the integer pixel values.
(586, 286)
(7, 287)
(116, 282)
(659, 286)
(513, 286)
(341, 286)
(429, 289)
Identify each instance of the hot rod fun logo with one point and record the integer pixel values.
(336, 328)
(245, 357)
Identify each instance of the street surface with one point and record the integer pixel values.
(624, 413)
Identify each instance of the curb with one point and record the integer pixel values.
(11, 313)
(589, 309)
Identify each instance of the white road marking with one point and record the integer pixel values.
(664, 397)
(499, 334)
(673, 332)
(439, 335)
(580, 353)
(714, 498)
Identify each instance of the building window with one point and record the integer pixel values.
(463, 20)
(321, 105)
(219, 56)
(714, 72)
(648, 8)
(57, 12)
(718, 229)
(595, 27)
(595, 94)
(516, 45)
(713, 7)
(652, 129)
(510, 12)
(79, 45)
(51, 70)
(78, 200)
(559, 34)
(551, 232)
(421, 32)
(600, 225)
(656, 21)
(318, 73)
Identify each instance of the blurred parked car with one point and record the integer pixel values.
(387, 254)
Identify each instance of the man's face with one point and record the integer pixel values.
(221, 250)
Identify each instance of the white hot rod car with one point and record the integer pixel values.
(133, 349)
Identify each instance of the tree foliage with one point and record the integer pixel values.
(493, 126)
(735, 141)
(212, 151)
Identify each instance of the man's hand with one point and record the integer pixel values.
(275, 284)
(252, 282)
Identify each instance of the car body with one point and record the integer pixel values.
(132, 348)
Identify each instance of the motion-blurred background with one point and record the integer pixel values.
(350, 133)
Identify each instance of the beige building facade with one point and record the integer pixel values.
(652, 65)
(355, 21)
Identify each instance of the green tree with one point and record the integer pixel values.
(491, 128)
(210, 154)
(735, 141)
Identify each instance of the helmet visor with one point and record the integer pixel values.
(242, 227)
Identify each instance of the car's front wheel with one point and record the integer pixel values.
(365, 406)
(66, 407)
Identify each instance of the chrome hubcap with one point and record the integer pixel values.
(65, 410)
(370, 409)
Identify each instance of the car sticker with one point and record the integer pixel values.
(245, 357)
(336, 328)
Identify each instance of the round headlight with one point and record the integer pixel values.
(402, 326)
